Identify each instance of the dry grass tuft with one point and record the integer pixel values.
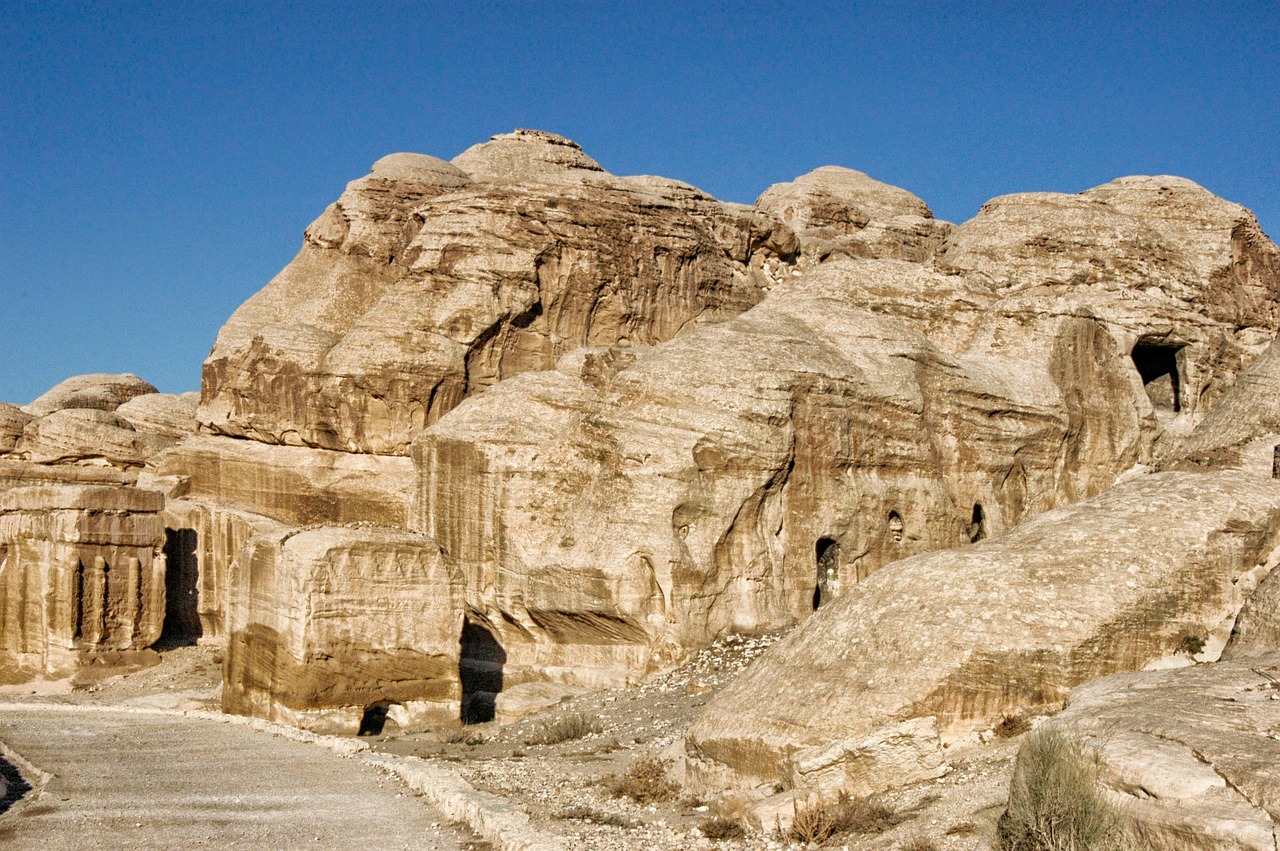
(822, 821)
(1012, 726)
(587, 814)
(720, 829)
(918, 843)
(1055, 803)
(564, 728)
(645, 782)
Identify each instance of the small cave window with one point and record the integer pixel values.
(977, 524)
(1157, 364)
(897, 530)
(827, 551)
(480, 667)
(374, 719)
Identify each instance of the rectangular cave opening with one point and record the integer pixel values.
(181, 589)
(827, 552)
(1157, 364)
(480, 667)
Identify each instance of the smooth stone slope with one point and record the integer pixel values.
(865, 695)
(1190, 756)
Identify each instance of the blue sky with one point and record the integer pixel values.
(159, 161)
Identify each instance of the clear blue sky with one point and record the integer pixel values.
(159, 161)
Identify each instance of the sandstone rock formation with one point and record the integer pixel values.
(1190, 756)
(327, 623)
(1185, 281)
(96, 392)
(162, 414)
(86, 435)
(864, 695)
(841, 212)
(82, 575)
(514, 421)
(664, 497)
(12, 421)
(420, 286)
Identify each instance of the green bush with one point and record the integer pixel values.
(1055, 802)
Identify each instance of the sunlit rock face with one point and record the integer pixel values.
(732, 479)
(427, 282)
(82, 576)
(1189, 756)
(865, 695)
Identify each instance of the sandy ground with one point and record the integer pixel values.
(565, 787)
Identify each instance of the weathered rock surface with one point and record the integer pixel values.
(81, 574)
(292, 485)
(86, 435)
(12, 421)
(1184, 280)
(864, 694)
(326, 622)
(636, 504)
(841, 212)
(99, 392)
(162, 414)
(16, 473)
(1190, 755)
(418, 288)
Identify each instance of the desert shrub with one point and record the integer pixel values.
(823, 820)
(563, 728)
(719, 829)
(581, 813)
(1191, 644)
(1011, 726)
(918, 843)
(645, 782)
(1055, 803)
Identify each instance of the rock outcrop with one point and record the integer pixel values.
(82, 575)
(327, 623)
(841, 212)
(420, 286)
(734, 478)
(12, 421)
(98, 392)
(162, 414)
(86, 435)
(1190, 757)
(864, 695)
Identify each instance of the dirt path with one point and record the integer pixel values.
(150, 781)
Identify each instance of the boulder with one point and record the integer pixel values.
(419, 287)
(865, 695)
(325, 623)
(162, 414)
(98, 392)
(86, 435)
(1189, 757)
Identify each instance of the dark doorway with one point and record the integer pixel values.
(181, 588)
(480, 670)
(827, 551)
(1157, 363)
(978, 524)
(374, 719)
